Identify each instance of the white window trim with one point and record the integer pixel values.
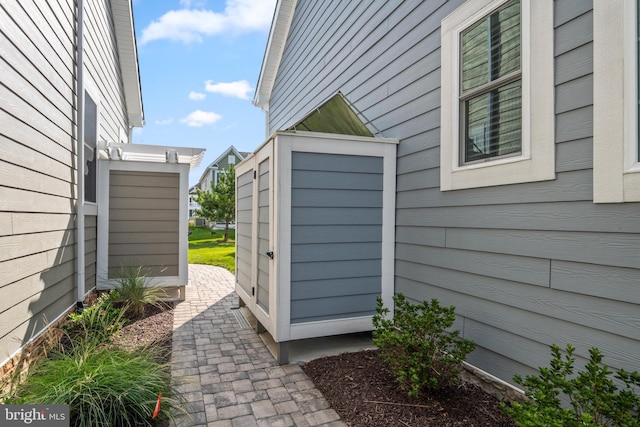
(537, 161)
(616, 170)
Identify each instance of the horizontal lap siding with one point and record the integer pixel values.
(526, 265)
(103, 71)
(336, 236)
(264, 244)
(37, 168)
(143, 222)
(244, 231)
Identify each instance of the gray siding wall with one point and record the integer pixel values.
(264, 244)
(37, 157)
(336, 235)
(103, 70)
(244, 233)
(525, 265)
(37, 188)
(144, 214)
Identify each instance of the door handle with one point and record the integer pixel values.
(270, 254)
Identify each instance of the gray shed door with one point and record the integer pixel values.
(264, 244)
(244, 200)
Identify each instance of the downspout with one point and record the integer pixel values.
(80, 235)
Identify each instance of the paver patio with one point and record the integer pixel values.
(226, 372)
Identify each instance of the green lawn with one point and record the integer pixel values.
(206, 246)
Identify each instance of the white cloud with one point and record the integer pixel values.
(164, 122)
(196, 96)
(239, 89)
(191, 3)
(200, 118)
(190, 25)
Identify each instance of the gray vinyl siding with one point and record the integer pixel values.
(90, 251)
(526, 265)
(143, 222)
(38, 155)
(244, 231)
(336, 236)
(37, 184)
(103, 70)
(264, 244)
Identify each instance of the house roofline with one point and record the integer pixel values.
(122, 13)
(219, 159)
(280, 26)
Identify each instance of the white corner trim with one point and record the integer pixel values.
(616, 171)
(537, 162)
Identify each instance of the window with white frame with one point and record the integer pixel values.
(497, 94)
(616, 151)
(90, 143)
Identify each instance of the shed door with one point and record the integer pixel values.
(244, 230)
(265, 253)
(254, 233)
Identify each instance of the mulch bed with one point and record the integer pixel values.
(360, 388)
(154, 327)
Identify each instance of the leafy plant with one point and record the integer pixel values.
(133, 292)
(595, 399)
(98, 322)
(103, 385)
(417, 345)
(219, 203)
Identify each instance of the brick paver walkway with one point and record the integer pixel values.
(225, 371)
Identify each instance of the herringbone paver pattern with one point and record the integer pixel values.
(226, 372)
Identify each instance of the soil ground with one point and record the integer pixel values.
(361, 389)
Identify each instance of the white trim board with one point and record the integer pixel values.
(616, 169)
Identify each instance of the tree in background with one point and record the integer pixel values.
(219, 203)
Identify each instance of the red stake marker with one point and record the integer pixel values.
(157, 410)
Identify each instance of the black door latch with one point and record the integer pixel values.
(270, 254)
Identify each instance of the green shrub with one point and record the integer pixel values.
(133, 292)
(594, 397)
(417, 346)
(104, 386)
(98, 322)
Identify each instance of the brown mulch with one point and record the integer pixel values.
(360, 388)
(154, 327)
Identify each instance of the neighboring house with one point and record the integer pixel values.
(518, 177)
(211, 174)
(71, 97)
(209, 177)
(193, 205)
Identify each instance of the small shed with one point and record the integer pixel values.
(143, 199)
(315, 233)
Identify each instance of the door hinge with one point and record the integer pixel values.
(270, 254)
(253, 291)
(254, 174)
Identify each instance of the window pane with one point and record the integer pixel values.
(491, 47)
(90, 140)
(493, 125)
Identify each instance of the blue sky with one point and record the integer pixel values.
(199, 65)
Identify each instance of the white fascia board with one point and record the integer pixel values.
(280, 26)
(122, 12)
